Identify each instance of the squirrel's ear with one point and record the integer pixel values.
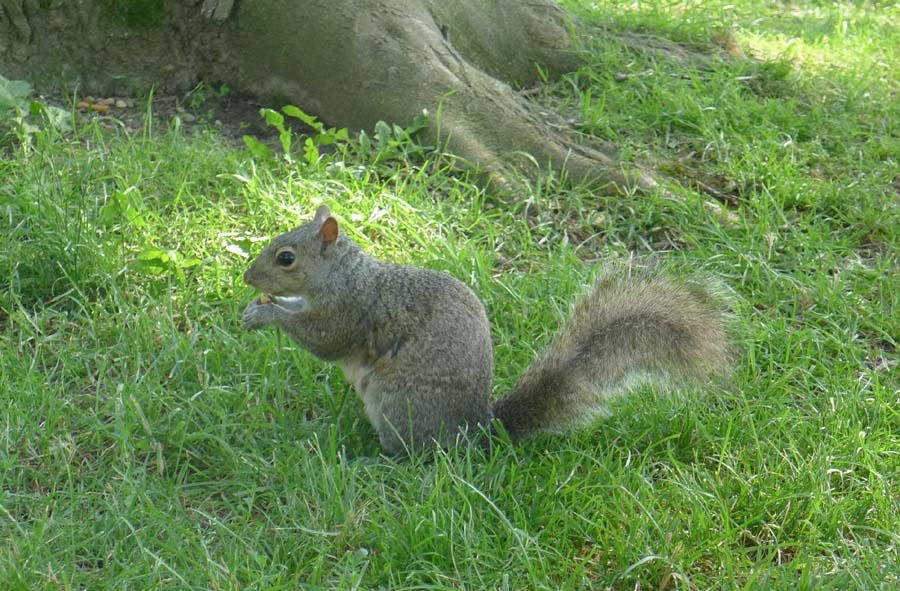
(329, 232)
(322, 213)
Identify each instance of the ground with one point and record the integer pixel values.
(231, 114)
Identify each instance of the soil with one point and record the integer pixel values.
(232, 114)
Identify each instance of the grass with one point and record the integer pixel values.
(146, 442)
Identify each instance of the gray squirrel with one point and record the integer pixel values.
(416, 343)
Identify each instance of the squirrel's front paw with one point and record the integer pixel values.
(256, 315)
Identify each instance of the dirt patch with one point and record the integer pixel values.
(233, 115)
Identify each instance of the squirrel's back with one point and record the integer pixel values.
(429, 347)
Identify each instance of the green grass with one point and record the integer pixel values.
(146, 442)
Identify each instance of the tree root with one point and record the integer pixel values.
(410, 55)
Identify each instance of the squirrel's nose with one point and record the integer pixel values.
(248, 279)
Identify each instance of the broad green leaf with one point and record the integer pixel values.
(257, 148)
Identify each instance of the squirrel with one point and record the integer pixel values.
(416, 344)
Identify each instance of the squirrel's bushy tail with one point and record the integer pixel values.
(622, 331)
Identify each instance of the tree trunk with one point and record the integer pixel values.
(351, 62)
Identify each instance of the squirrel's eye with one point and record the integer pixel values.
(285, 258)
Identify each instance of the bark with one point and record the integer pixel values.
(352, 62)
